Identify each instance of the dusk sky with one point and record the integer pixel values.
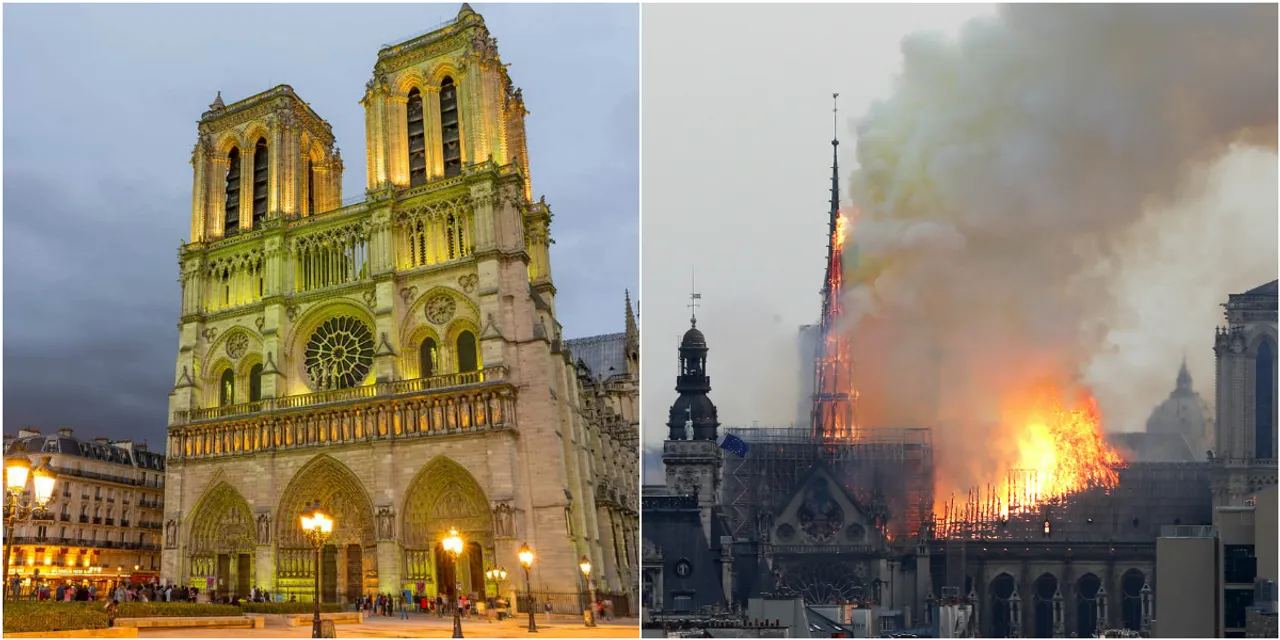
(100, 111)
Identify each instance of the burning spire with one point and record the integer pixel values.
(833, 395)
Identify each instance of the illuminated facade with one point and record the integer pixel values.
(105, 518)
(398, 359)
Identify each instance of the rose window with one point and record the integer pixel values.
(339, 354)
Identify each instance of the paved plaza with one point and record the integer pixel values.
(422, 626)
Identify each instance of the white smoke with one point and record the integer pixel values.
(1035, 188)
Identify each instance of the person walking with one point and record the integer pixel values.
(404, 607)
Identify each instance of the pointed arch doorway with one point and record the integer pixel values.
(445, 496)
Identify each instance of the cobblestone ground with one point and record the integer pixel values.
(423, 626)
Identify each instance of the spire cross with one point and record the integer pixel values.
(835, 119)
(694, 297)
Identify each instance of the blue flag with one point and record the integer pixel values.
(734, 444)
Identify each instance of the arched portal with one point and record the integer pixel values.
(1045, 586)
(1086, 604)
(445, 496)
(343, 497)
(220, 542)
(1131, 599)
(999, 611)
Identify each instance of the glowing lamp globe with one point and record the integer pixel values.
(453, 543)
(526, 555)
(16, 471)
(585, 565)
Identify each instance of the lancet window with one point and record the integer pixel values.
(332, 257)
(467, 357)
(255, 383)
(260, 173)
(435, 234)
(416, 127)
(231, 222)
(450, 139)
(311, 188)
(234, 281)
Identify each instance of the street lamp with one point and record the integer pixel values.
(453, 546)
(17, 507)
(585, 565)
(497, 575)
(317, 526)
(526, 560)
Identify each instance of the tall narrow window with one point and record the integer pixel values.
(227, 389)
(427, 359)
(1264, 409)
(449, 128)
(417, 139)
(467, 360)
(311, 189)
(255, 383)
(231, 223)
(260, 171)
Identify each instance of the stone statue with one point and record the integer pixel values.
(386, 524)
(264, 529)
(170, 534)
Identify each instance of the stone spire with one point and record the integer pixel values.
(633, 331)
(217, 103)
(1184, 379)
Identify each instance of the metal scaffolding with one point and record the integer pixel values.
(888, 471)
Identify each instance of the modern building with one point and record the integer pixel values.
(399, 359)
(103, 524)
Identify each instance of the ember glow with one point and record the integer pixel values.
(842, 231)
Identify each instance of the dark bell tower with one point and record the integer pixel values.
(693, 407)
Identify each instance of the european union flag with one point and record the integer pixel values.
(736, 445)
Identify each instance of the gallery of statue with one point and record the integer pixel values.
(398, 360)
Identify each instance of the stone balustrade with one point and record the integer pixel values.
(389, 411)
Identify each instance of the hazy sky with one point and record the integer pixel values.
(100, 110)
(736, 172)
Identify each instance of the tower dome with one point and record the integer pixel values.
(1184, 412)
(693, 409)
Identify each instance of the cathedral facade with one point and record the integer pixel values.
(398, 360)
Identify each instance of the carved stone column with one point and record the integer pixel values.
(397, 140)
(433, 134)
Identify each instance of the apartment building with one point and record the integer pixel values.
(104, 522)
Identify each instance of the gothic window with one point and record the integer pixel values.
(260, 170)
(311, 188)
(467, 360)
(339, 354)
(427, 359)
(232, 220)
(1264, 397)
(227, 389)
(417, 140)
(452, 145)
(255, 383)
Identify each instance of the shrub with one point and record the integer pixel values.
(37, 617)
(288, 607)
(170, 609)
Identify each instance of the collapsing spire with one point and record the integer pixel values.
(832, 418)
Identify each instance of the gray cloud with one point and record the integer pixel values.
(101, 104)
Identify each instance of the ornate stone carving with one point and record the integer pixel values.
(441, 308)
(237, 344)
(339, 354)
(260, 322)
(210, 334)
(264, 529)
(171, 534)
(408, 294)
(386, 523)
(291, 310)
(370, 299)
(504, 521)
(468, 282)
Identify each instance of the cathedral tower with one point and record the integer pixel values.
(398, 359)
(1244, 456)
(693, 459)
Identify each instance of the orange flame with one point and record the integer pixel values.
(842, 230)
(1063, 444)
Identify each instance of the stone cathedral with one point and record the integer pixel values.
(398, 360)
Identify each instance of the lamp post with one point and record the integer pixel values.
(497, 575)
(317, 526)
(526, 560)
(17, 471)
(585, 565)
(453, 547)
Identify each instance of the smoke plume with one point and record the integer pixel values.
(1046, 198)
